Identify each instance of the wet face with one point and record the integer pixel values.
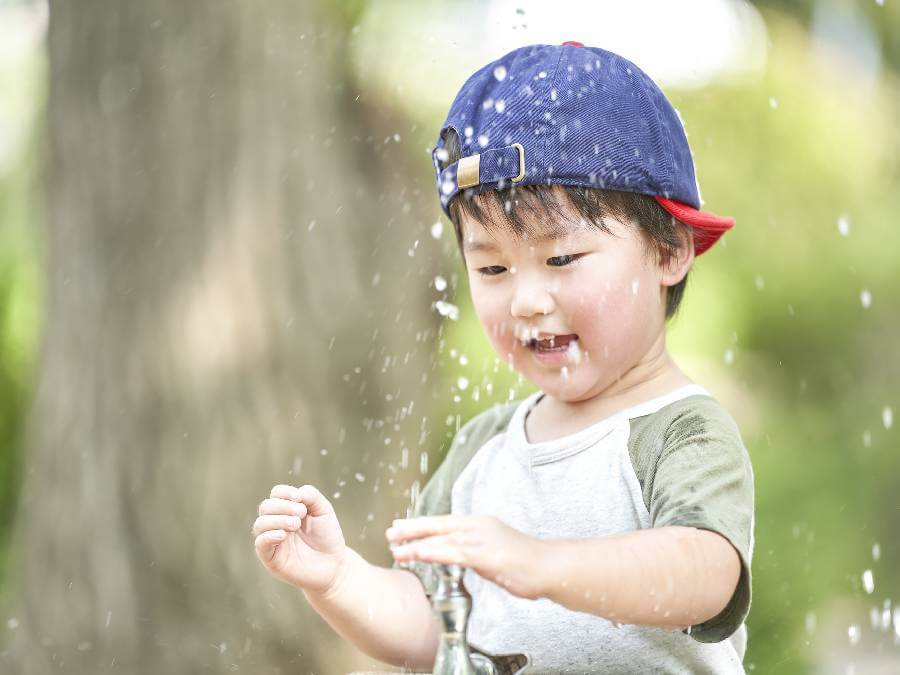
(601, 296)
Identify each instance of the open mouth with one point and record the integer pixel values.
(554, 343)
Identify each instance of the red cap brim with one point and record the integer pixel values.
(708, 227)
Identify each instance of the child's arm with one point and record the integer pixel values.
(668, 577)
(383, 611)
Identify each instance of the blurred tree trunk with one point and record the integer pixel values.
(226, 312)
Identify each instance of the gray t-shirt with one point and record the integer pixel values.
(675, 460)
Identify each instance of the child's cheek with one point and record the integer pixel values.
(493, 314)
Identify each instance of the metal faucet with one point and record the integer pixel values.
(452, 602)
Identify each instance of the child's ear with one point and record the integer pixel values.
(676, 267)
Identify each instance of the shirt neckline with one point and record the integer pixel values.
(570, 444)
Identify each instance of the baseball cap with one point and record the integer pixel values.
(572, 115)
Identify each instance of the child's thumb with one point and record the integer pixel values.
(267, 543)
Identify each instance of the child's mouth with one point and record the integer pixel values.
(556, 343)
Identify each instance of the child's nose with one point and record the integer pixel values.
(530, 298)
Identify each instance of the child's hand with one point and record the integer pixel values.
(483, 543)
(299, 539)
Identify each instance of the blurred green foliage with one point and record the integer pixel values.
(21, 88)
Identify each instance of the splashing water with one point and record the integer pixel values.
(447, 309)
(843, 225)
(865, 297)
(868, 582)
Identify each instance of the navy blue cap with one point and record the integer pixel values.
(573, 115)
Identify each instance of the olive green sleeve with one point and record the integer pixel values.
(695, 472)
(435, 498)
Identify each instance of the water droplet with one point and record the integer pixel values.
(500, 105)
(447, 309)
(500, 72)
(438, 228)
(866, 298)
(886, 615)
(810, 622)
(887, 417)
(854, 634)
(541, 75)
(462, 383)
(876, 551)
(867, 438)
(468, 131)
(404, 458)
(423, 463)
(773, 102)
(12, 623)
(635, 285)
(729, 357)
(440, 283)
(843, 225)
(760, 282)
(360, 477)
(448, 186)
(323, 452)
(483, 140)
(868, 581)
(463, 359)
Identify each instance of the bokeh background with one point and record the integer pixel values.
(223, 266)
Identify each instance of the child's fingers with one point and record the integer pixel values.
(266, 542)
(317, 504)
(283, 492)
(281, 507)
(275, 523)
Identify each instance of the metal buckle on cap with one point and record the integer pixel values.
(518, 146)
(498, 164)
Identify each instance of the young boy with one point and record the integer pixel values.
(606, 521)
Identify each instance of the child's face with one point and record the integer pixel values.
(605, 289)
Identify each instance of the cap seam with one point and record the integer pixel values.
(668, 187)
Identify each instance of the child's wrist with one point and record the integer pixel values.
(346, 567)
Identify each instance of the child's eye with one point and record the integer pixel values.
(557, 261)
(491, 271)
(565, 260)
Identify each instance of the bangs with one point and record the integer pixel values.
(525, 212)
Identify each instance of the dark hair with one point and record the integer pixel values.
(661, 233)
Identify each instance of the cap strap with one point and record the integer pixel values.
(490, 166)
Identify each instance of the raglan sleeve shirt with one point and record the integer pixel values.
(695, 472)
